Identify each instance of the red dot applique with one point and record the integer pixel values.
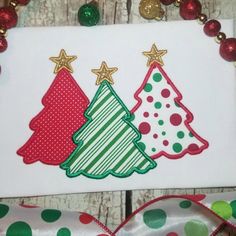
(155, 136)
(146, 114)
(150, 99)
(175, 119)
(144, 128)
(165, 143)
(165, 93)
(193, 147)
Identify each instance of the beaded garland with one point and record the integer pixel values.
(188, 9)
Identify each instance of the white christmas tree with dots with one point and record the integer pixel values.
(161, 118)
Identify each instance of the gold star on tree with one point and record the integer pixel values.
(63, 61)
(155, 55)
(104, 73)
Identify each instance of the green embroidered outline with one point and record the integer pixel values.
(127, 119)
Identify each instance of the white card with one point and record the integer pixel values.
(192, 142)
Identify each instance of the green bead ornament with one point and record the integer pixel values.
(88, 14)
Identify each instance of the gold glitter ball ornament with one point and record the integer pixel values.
(151, 9)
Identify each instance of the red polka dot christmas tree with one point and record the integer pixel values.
(161, 118)
(63, 113)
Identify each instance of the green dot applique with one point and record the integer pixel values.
(158, 105)
(177, 147)
(4, 209)
(19, 228)
(176, 104)
(233, 206)
(64, 232)
(185, 204)
(190, 134)
(153, 149)
(196, 228)
(148, 88)
(157, 77)
(160, 122)
(223, 209)
(142, 146)
(180, 134)
(163, 133)
(50, 215)
(155, 218)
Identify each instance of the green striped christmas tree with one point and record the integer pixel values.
(108, 142)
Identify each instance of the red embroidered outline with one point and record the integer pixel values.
(189, 117)
(185, 197)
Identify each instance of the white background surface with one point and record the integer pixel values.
(206, 82)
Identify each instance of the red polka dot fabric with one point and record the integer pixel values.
(62, 115)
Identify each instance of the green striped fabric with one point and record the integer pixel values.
(108, 142)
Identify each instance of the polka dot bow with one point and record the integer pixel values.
(198, 215)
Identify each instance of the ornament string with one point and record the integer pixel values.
(88, 15)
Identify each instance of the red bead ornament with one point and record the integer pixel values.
(212, 28)
(8, 17)
(167, 2)
(228, 49)
(190, 9)
(23, 2)
(3, 44)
